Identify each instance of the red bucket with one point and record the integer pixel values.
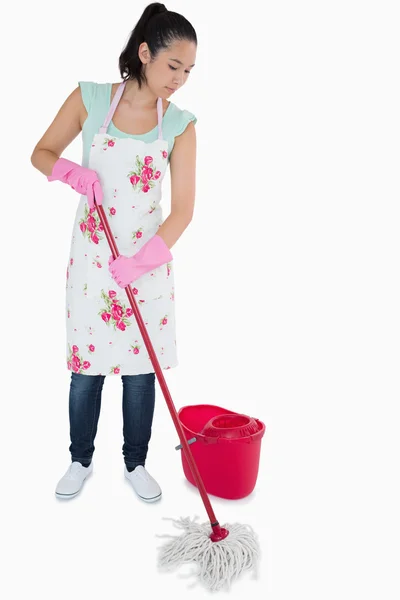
(226, 451)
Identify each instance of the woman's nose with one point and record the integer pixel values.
(178, 79)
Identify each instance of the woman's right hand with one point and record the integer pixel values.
(82, 180)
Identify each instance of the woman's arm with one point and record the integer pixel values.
(65, 127)
(183, 183)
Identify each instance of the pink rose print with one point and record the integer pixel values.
(100, 227)
(163, 322)
(152, 208)
(91, 348)
(90, 225)
(129, 312)
(115, 370)
(168, 269)
(114, 312)
(121, 325)
(164, 153)
(134, 179)
(112, 211)
(135, 291)
(96, 263)
(148, 171)
(143, 174)
(75, 362)
(136, 349)
(109, 143)
(137, 234)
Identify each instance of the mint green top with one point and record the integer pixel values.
(97, 99)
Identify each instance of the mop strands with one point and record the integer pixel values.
(218, 563)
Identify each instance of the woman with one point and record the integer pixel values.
(130, 133)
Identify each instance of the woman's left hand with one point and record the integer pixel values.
(121, 269)
(126, 269)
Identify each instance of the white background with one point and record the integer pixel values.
(287, 294)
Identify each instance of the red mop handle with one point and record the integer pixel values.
(219, 532)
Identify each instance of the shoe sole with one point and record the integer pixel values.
(149, 499)
(70, 496)
(154, 499)
(67, 496)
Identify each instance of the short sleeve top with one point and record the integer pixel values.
(97, 99)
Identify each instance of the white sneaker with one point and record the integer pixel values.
(143, 483)
(71, 484)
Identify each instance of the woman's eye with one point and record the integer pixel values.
(176, 68)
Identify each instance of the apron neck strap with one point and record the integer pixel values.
(114, 104)
(160, 117)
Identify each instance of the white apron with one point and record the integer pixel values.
(102, 334)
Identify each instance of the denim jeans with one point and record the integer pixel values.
(138, 399)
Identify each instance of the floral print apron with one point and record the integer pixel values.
(102, 334)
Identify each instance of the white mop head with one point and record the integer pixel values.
(218, 563)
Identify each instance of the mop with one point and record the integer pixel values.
(220, 554)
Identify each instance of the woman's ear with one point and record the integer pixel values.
(144, 53)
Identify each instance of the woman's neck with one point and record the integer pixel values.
(139, 97)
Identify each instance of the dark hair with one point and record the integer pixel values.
(159, 28)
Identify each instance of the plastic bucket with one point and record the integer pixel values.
(226, 451)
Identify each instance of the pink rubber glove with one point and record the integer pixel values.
(126, 269)
(82, 180)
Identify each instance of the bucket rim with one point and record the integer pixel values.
(254, 437)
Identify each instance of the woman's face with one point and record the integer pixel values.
(170, 69)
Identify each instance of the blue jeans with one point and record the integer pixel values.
(138, 399)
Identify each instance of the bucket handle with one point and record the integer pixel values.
(191, 441)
